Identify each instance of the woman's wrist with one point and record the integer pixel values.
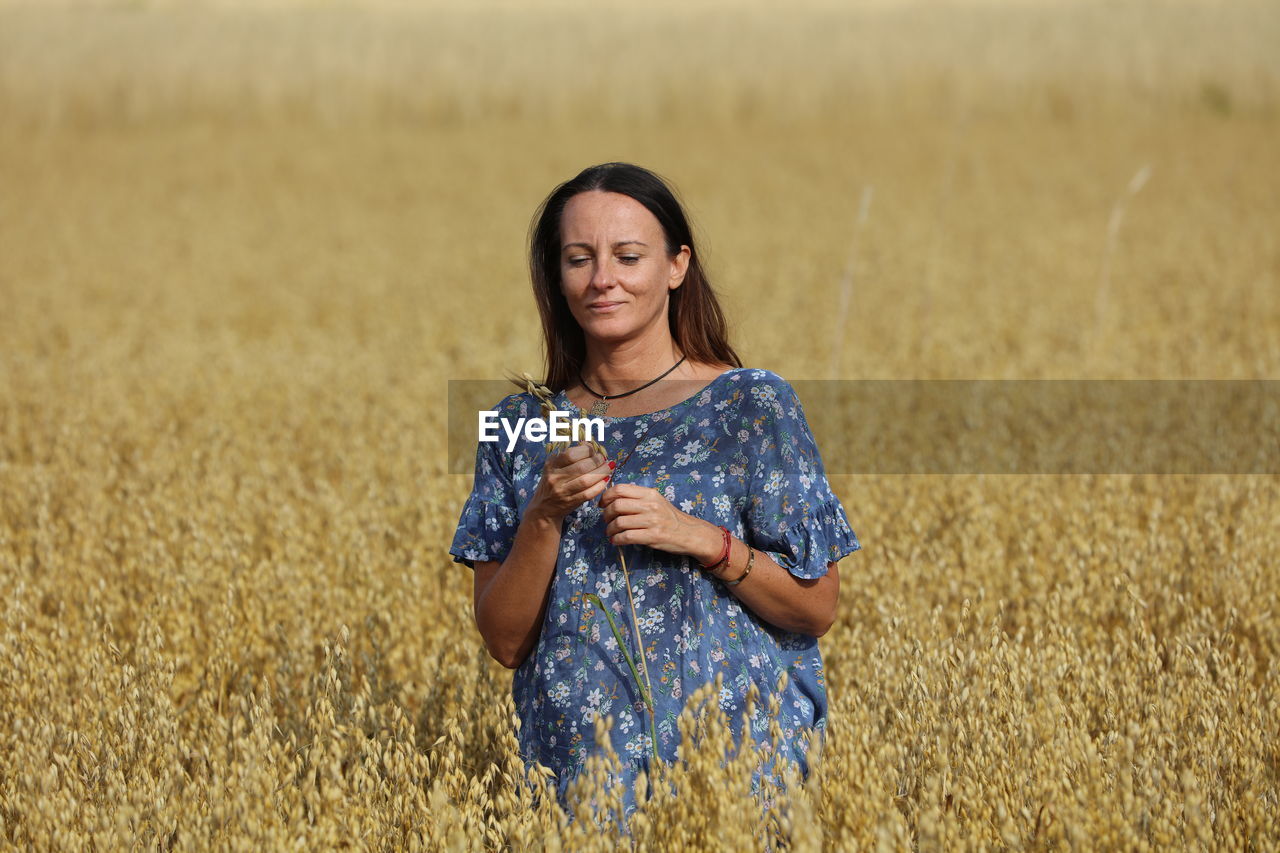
(732, 578)
(537, 514)
(732, 566)
(707, 544)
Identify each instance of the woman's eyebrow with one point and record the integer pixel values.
(616, 245)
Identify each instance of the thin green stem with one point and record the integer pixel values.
(617, 636)
(642, 686)
(644, 666)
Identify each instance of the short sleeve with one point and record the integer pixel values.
(791, 512)
(487, 527)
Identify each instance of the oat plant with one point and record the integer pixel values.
(645, 687)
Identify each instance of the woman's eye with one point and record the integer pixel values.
(577, 261)
(629, 259)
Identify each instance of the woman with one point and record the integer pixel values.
(713, 490)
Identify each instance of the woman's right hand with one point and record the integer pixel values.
(570, 478)
(511, 596)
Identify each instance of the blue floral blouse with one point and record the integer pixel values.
(738, 453)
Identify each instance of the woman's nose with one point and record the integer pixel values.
(603, 277)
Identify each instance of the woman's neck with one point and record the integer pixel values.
(614, 369)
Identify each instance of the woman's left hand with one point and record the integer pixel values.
(638, 515)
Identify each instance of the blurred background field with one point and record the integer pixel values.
(244, 247)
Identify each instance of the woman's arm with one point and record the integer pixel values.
(638, 515)
(510, 598)
(774, 594)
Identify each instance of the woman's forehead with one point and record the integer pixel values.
(596, 214)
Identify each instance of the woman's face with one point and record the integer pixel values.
(615, 272)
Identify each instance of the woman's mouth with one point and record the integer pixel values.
(604, 307)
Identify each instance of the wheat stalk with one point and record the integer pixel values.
(647, 689)
(846, 281)
(543, 394)
(1114, 222)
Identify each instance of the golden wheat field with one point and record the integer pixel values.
(243, 248)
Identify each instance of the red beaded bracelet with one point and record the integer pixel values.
(724, 555)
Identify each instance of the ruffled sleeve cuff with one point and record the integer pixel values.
(486, 531)
(809, 544)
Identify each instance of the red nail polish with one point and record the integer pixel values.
(612, 464)
(608, 477)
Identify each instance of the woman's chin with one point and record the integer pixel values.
(607, 331)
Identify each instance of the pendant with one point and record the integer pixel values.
(598, 408)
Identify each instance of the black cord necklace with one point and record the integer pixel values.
(601, 405)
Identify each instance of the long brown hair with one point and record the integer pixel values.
(697, 323)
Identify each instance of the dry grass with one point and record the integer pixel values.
(228, 615)
(451, 62)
